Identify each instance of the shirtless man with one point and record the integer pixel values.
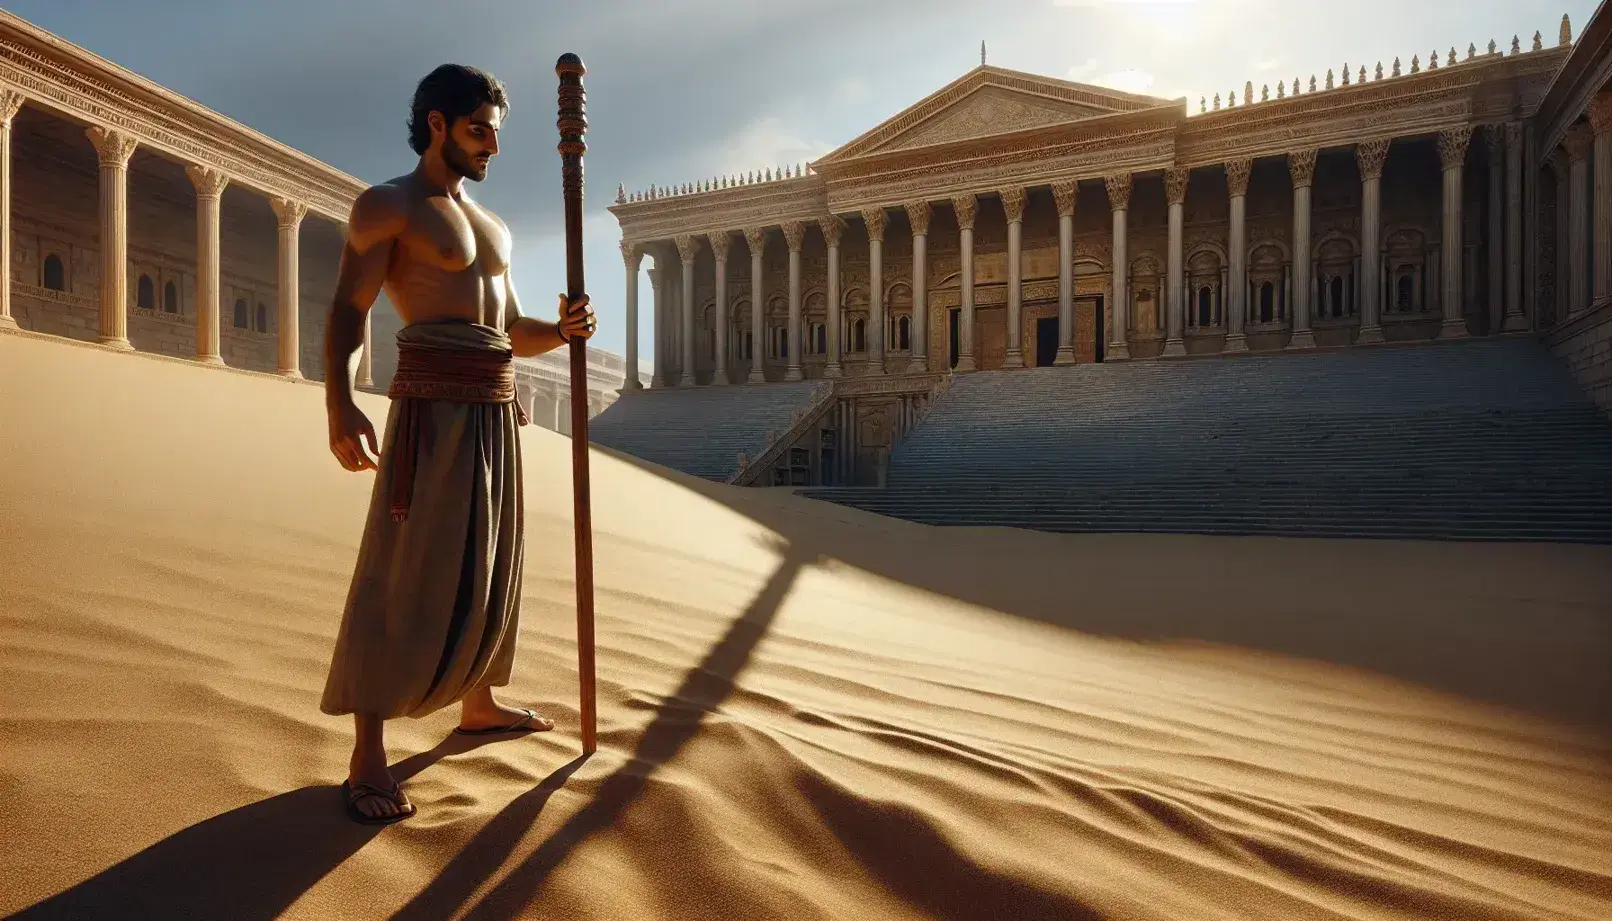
(432, 613)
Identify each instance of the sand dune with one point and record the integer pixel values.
(805, 712)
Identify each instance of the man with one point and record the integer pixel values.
(433, 609)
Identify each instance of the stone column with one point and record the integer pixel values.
(10, 104)
(756, 239)
(289, 214)
(1578, 143)
(1514, 319)
(1301, 165)
(632, 256)
(833, 230)
(657, 288)
(918, 214)
(688, 247)
(1119, 200)
(366, 356)
(720, 242)
(114, 149)
(1237, 174)
(1601, 128)
(1370, 157)
(1452, 144)
(209, 185)
(794, 236)
(1494, 249)
(1175, 195)
(1065, 192)
(874, 220)
(966, 207)
(1013, 207)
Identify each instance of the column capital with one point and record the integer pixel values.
(688, 246)
(1514, 132)
(966, 206)
(756, 239)
(875, 219)
(1558, 163)
(10, 105)
(1578, 140)
(209, 182)
(1600, 112)
(1494, 135)
(794, 234)
(1370, 156)
(1064, 193)
(1237, 173)
(918, 215)
(1175, 185)
(1452, 144)
(720, 242)
(1119, 191)
(632, 255)
(112, 146)
(1013, 203)
(1301, 166)
(833, 228)
(657, 276)
(288, 211)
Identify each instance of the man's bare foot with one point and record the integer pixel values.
(480, 713)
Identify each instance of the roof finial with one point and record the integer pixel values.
(1538, 40)
(1567, 31)
(982, 52)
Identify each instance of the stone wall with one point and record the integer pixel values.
(1584, 343)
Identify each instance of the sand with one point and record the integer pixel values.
(805, 711)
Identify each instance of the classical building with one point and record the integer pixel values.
(136, 219)
(1013, 220)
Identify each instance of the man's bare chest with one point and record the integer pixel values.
(455, 237)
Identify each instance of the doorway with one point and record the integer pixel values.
(1046, 341)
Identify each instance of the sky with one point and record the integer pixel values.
(681, 91)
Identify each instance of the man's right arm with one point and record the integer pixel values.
(376, 221)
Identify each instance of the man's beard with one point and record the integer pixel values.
(461, 162)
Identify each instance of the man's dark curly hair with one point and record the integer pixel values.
(455, 90)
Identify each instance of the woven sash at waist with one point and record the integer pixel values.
(429, 373)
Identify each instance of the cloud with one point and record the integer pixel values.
(762, 143)
(1127, 81)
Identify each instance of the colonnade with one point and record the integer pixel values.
(114, 149)
(1372, 286)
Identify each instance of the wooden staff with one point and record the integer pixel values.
(573, 124)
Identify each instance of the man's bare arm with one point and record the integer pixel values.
(377, 219)
(529, 335)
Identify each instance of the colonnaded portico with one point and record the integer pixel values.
(1014, 220)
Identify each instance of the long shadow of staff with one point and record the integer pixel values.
(703, 689)
(248, 864)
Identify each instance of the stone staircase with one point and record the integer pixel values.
(1484, 439)
(700, 430)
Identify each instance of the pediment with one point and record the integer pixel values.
(990, 101)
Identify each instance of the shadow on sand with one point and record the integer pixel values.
(677, 721)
